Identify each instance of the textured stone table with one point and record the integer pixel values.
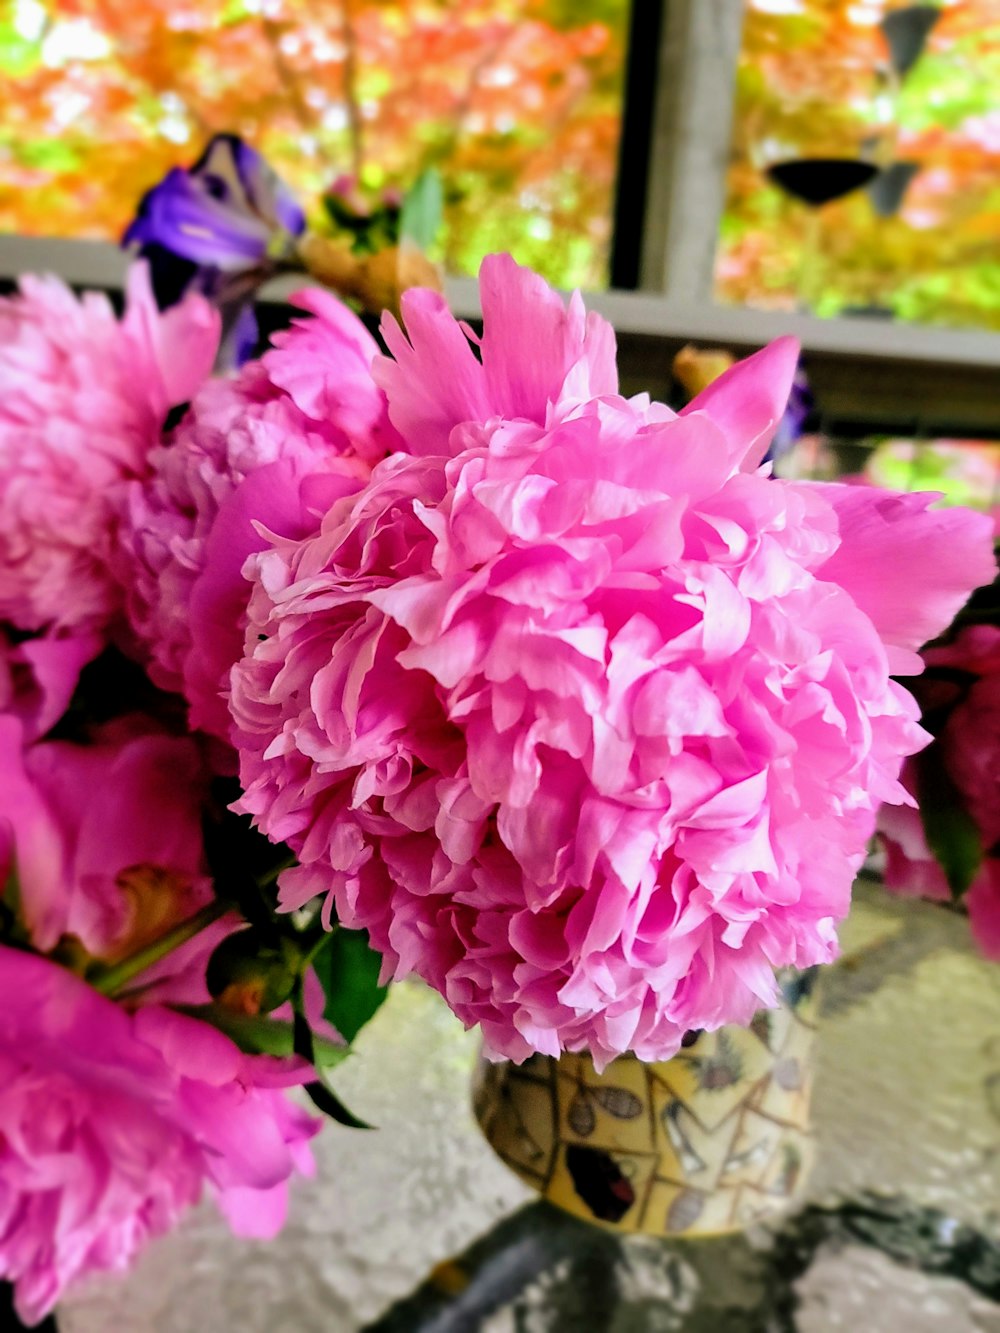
(417, 1227)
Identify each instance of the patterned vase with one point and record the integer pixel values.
(703, 1144)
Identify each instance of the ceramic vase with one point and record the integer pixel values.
(703, 1144)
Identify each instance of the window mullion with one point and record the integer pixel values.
(691, 139)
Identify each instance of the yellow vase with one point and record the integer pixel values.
(703, 1144)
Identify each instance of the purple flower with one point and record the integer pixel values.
(798, 411)
(222, 228)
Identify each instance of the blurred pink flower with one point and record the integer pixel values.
(112, 1124)
(105, 838)
(911, 869)
(970, 741)
(38, 676)
(969, 749)
(983, 904)
(264, 450)
(573, 708)
(83, 397)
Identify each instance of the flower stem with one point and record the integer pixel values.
(110, 979)
(265, 881)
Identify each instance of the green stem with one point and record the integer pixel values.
(110, 979)
(318, 944)
(265, 881)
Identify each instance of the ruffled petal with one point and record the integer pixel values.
(910, 568)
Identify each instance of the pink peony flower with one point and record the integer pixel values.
(970, 741)
(83, 397)
(105, 838)
(534, 354)
(38, 676)
(573, 708)
(969, 749)
(911, 869)
(264, 450)
(112, 1124)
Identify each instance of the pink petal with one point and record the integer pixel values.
(748, 400)
(910, 568)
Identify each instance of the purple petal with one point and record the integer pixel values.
(240, 336)
(266, 192)
(800, 406)
(181, 215)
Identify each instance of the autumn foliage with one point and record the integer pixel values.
(516, 102)
(815, 80)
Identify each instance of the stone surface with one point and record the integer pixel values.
(906, 1104)
(898, 1297)
(909, 1064)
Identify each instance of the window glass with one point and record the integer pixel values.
(516, 102)
(966, 472)
(963, 472)
(865, 171)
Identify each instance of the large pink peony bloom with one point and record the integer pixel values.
(83, 397)
(112, 1124)
(268, 448)
(572, 708)
(969, 750)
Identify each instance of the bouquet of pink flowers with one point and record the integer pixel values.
(451, 656)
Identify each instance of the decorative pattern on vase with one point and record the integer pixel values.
(702, 1144)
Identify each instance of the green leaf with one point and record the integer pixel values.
(319, 1093)
(48, 155)
(258, 1035)
(420, 217)
(18, 55)
(233, 12)
(348, 968)
(951, 832)
(326, 1100)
